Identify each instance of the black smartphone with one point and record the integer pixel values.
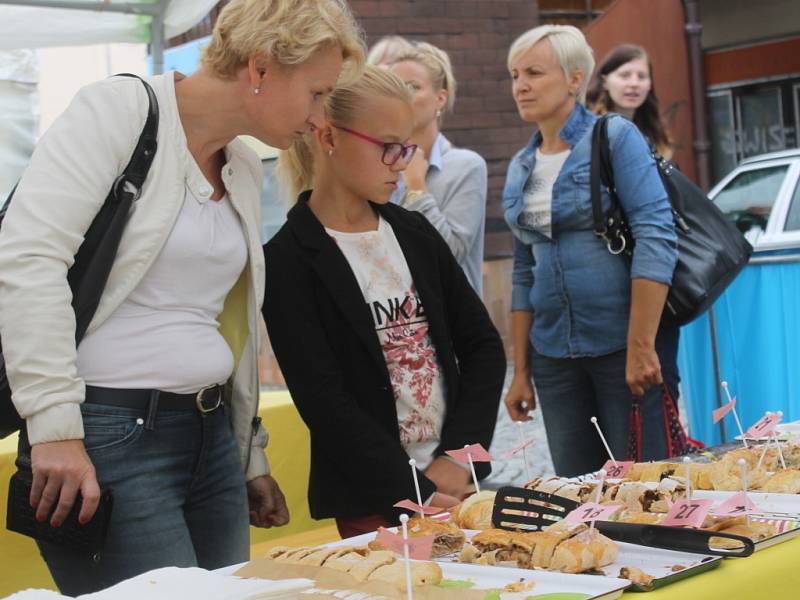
(86, 539)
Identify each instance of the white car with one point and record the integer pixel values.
(762, 196)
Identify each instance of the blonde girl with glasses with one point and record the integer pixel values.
(387, 351)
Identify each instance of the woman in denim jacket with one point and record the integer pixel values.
(585, 324)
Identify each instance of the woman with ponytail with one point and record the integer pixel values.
(386, 349)
(444, 183)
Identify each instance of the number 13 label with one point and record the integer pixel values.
(592, 512)
(688, 513)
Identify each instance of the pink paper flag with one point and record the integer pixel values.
(509, 453)
(476, 451)
(591, 511)
(688, 513)
(619, 470)
(411, 505)
(764, 426)
(719, 413)
(419, 548)
(738, 504)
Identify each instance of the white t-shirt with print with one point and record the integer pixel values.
(402, 328)
(537, 207)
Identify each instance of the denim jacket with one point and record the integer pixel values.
(578, 291)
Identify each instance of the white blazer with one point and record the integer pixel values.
(62, 190)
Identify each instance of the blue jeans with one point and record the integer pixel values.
(572, 390)
(179, 496)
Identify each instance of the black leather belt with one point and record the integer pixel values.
(206, 400)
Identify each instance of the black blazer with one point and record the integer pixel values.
(324, 338)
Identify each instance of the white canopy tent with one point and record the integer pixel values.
(42, 23)
(30, 24)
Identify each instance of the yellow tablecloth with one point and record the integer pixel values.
(288, 452)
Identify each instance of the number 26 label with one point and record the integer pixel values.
(617, 470)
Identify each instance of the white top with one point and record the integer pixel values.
(538, 192)
(165, 334)
(402, 328)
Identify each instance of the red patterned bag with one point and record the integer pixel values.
(678, 442)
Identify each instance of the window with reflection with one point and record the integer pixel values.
(793, 218)
(748, 198)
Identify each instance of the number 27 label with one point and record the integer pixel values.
(688, 513)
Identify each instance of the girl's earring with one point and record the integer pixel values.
(438, 112)
(330, 152)
(256, 90)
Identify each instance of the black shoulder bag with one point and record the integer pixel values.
(711, 250)
(88, 275)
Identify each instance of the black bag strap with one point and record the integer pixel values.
(139, 165)
(601, 171)
(88, 275)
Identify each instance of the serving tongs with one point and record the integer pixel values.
(520, 509)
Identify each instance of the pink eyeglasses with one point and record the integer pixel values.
(392, 151)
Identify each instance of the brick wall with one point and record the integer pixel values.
(477, 35)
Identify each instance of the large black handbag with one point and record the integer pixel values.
(88, 275)
(711, 250)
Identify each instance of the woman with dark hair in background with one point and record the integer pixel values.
(623, 83)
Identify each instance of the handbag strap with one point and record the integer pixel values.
(145, 150)
(88, 275)
(143, 153)
(601, 171)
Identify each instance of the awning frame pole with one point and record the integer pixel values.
(157, 38)
(126, 8)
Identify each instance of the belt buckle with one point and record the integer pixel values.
(199, 399)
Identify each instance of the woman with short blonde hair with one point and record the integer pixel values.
(585, 323)
(445, 183)
(159, 402)
(569, 47)
(385, 50)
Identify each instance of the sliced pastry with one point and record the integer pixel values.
(631, 495)
(786, 481)
(551, 485)
(344, 562)
(587, 551)
(448, 538)
(422, 573)
(474, 512)
(362, 569)
(726, 475)
(549, 539)
(645, 518)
